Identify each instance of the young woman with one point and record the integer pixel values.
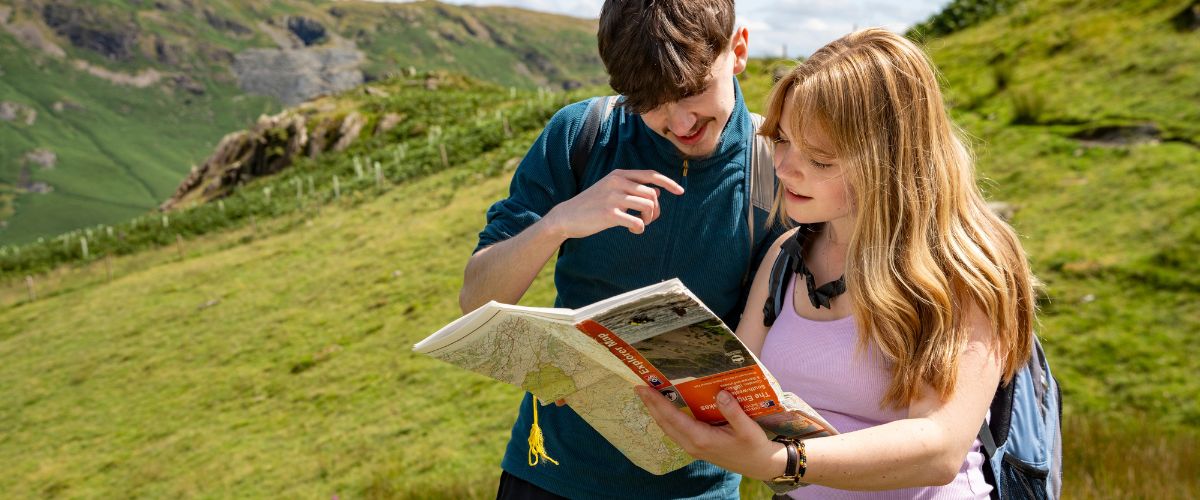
(910, 302)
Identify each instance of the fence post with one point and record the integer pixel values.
(507, 129)
(108, 266)
(378, 175)
(253, 225)
(337, 188)
(29, 284)
(445, 160)
(179, 244)
(83, 247)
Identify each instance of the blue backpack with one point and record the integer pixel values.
(1022, 441)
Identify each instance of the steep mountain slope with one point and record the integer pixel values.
(104, 106)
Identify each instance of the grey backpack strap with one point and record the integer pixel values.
(762, 175)
(597, 113)
(762, 167)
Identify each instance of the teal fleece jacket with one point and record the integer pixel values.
(701, 237)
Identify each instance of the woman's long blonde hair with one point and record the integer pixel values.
(925, 244)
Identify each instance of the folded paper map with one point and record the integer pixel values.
(660, 335)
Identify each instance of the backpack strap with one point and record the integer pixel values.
(781, 272)
(762, 167)
(995, 431)
(761, 185)
(597, 113)
(989, 442)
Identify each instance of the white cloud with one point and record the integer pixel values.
(801, 25)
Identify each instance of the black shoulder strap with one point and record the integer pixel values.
(597, 111)
(781, 273)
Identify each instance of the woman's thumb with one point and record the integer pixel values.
(733, 412)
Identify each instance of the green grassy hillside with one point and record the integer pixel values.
(1110, 222)
(120, 152)
(267, 353)
(129, 95)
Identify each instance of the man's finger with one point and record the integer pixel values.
(649, 208)
(652, 177)
(634, 224)
(643, 206)
(657, 207)
(642, 190)
(631, 202)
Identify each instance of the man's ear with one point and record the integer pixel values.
(740, 45)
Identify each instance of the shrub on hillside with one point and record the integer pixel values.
(959, 15)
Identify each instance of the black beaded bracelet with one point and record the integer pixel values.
(802, 461)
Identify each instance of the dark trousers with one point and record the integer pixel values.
(515, 488)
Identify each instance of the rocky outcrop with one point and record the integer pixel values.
(87, 29)
(189, 85)
(352, 125)
(168, 53)
(29, 36)
(41, 157)
(224, 24)
(26, 183)
(307, 30)
(1119, 135)
(294, 76)
(388, 122)
(17, 112)
(270, 146)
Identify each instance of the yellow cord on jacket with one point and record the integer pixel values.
(537, 447)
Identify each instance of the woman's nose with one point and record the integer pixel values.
(784, 159)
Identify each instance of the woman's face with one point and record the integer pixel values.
(812, 179)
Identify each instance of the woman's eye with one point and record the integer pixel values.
(818, 164)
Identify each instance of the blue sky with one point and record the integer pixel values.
(802, 25)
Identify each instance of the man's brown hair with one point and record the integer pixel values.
(660, 51)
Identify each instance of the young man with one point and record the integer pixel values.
(665, 193)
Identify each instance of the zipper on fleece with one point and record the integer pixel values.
(669, 255)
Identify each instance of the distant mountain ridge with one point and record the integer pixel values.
(128, 95)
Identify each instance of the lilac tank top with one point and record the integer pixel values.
(846, 389)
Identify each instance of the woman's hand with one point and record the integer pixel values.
(741, 446)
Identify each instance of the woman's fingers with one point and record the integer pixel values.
(690, 434)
